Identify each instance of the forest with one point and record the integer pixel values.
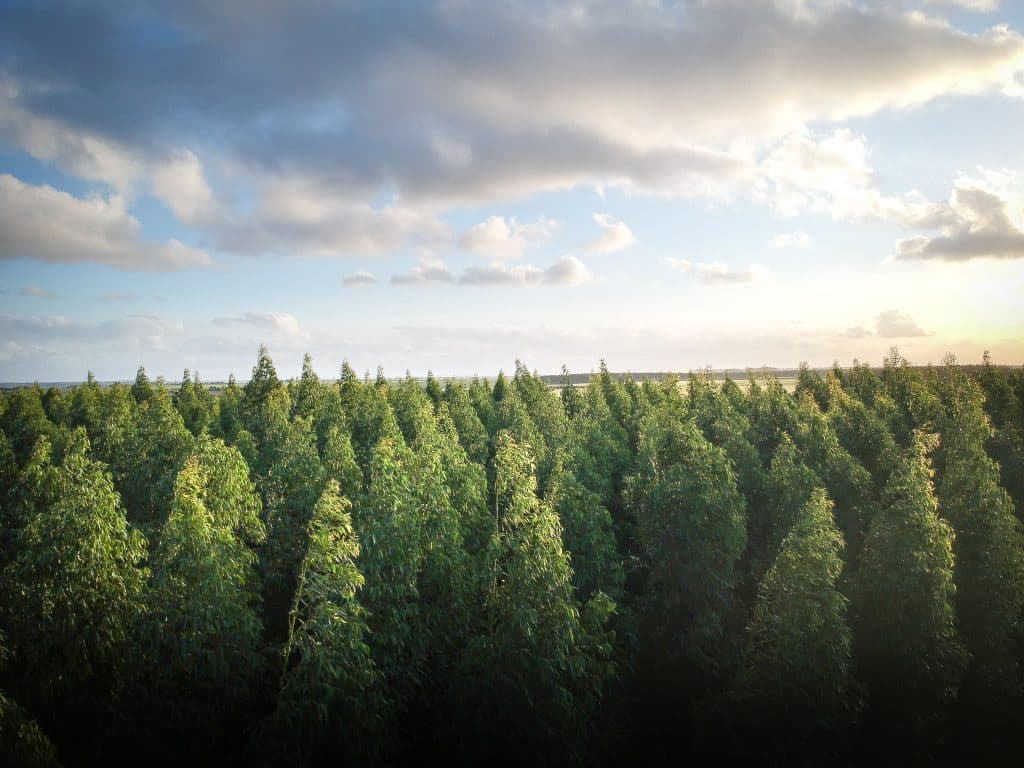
(376, 572)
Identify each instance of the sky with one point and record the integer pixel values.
(455, 185)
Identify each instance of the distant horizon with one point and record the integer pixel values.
(451, 186)
(638, 374)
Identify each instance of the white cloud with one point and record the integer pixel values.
(359, 280)
(38, 293)
(716, 273)
(566, 271)
(181, 183)
(428, 271)
(615, 236)
(497, 238)
(890, 324)
(791, 240)
(281, 325)
(40, 222)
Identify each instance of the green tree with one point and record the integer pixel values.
(73, 588)
(329, 699)
(906, 646)
(198, 657)
(796, 685)
(693, 528)
(519, 677)
(142, 390)
(149, 460)
(989, 545)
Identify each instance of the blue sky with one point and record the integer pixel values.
(454, 185)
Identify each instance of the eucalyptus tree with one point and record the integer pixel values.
(329, 702)
(862, 432)
(198, 660)
(989, 547)
(845, 479)
(693, 529)
(149, 459)
(195, 403)
(471, 430)
(529, 681)
(22, 741)
(73, 587)
(906, 646)
(796, 690)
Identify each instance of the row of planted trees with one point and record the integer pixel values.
(373, 572)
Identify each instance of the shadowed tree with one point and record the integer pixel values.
(197, 660)
(795, 689)
(519, 677)
(72, 590)
(906, 646)
(329, 699)
(989, 545)
(693, 528)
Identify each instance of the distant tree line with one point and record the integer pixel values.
(374, 572)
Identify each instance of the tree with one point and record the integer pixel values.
(906, 646)
(197, 406)
(73, 588)
(588, 535)
(391, 531)
(142, 390)
(329, 698)
(22, 741)
(693, 528)
(471, 430)
(796, 687)
(198, 656)
(518, 677)
(989, 545)
(149, 460)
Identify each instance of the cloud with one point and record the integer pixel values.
(978, 226)
(40, 222)
(180, 182)
(615, 236)
(717, 273)
(359, 280)
(36, 292)
(281, 325)
(296, 216)
(428, 271)
(499, 239)
(566, 271)
(358, 101)
(857, 332)
(791, 240)
(980, 6)
(893, 324)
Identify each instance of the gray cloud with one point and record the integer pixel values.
(566, 271)
(425, 101)
(980, 228)
(892, 324)
(359, 280)
(44, 223)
